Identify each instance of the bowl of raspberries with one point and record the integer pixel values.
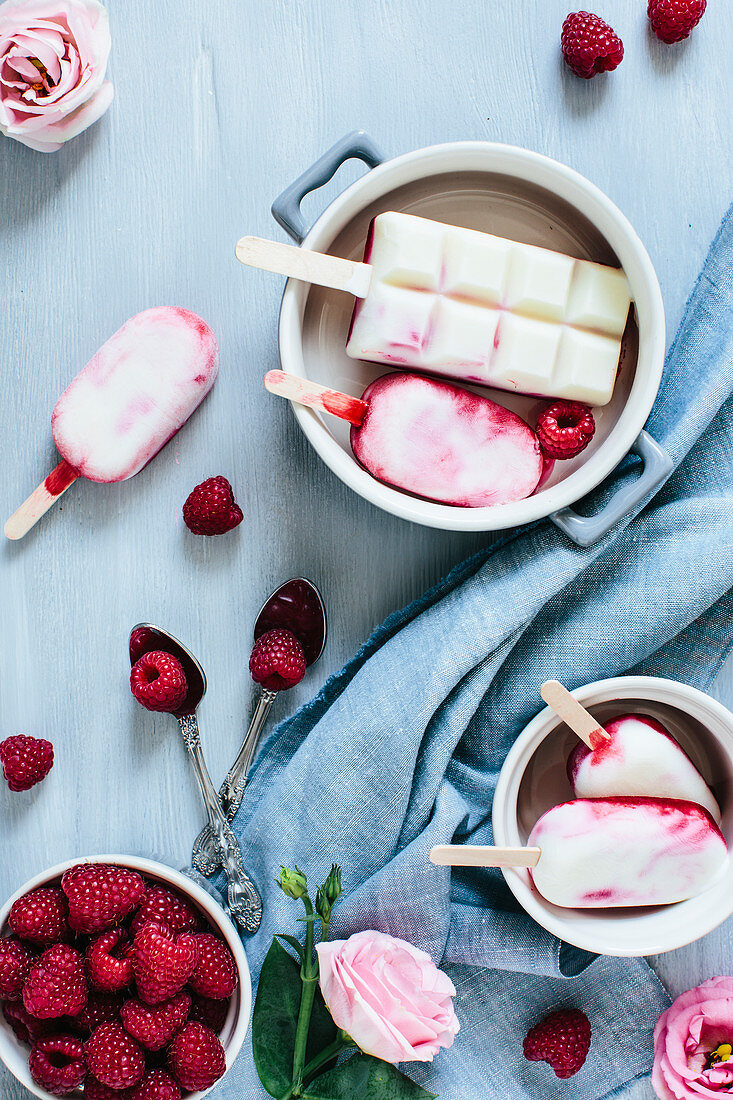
(120, 979)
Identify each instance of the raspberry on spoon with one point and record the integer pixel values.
(210, 508)
(589, 45)
(277, 661)
(565, 428)
(158, 681)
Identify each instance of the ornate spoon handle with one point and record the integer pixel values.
(205, 854)
(242, 895)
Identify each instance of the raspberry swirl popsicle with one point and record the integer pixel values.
(134, 394)
(612, 852)
(430, 438)
(640, 757)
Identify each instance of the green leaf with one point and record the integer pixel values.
(275, 1019)
(365, 1078)
(296, 945)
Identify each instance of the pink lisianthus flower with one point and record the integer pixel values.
(693, 1044)
(388, 996)
(53, 58)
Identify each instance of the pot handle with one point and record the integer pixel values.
(286, 207)
(585, 530)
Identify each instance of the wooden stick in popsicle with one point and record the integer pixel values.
(310, 267)
(40, 500)
(316, 396)
(567, 707)
(483, 855)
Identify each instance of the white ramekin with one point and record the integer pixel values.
(533, 778)
(428, 169)
(15, 1055)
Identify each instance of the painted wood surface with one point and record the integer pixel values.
(218, 106)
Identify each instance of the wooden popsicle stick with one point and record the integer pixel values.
(567, 707)
(301, 263)
(315, 396)
(40, 500)
(483, 855)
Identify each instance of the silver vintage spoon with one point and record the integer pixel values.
(243, 899)
(296, 606)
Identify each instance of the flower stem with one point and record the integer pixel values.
(309, 978)
(316, 1064)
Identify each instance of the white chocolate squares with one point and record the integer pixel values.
(483, 309)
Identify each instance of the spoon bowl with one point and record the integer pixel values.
(296, 606)
(144, 638)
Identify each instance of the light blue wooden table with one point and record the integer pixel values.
(218, 106)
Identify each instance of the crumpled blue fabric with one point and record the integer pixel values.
(402, 748)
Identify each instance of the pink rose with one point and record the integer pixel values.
(693, 1052)
(390, 998)
(53, 57)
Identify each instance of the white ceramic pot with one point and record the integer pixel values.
(15, 1055)
(533, 778)
(515, 193)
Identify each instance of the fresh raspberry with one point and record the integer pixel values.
(109, 961)
(162, 963)
(113, 1057)
(100, 895)
(15, 963)
(155, 1025)
(589, 45)
(26, 1027)
(562, 1040)
(672, 20)
(215, 975)
(25, 760)
(95, 1090)
(211, 1013)
(56, 985)
(166, 907)
(277, 661)
(42, 916)
(57, 1064)
(196, 1057)
(210, 508)
(156, 1085)
(565, 428)
(158, 681)
(101, 1008)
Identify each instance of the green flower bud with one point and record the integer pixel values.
(293, 883)
(329, 893)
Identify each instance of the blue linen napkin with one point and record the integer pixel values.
(402, 748)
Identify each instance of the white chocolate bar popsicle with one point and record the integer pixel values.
(472, 306)
(640, 757)
(602, 853)
(133, 395)
(430, 438)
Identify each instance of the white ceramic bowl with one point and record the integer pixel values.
(533, 778)
(15, 1055)
(491, 187)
